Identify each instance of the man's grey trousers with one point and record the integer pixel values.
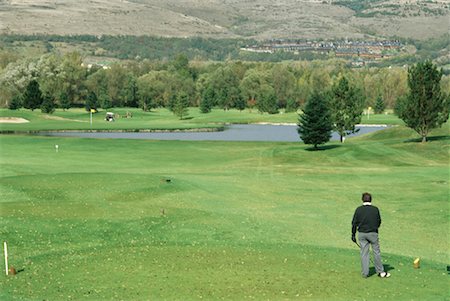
(365, 240)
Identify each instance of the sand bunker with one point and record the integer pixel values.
(61, 118)
(13, 120)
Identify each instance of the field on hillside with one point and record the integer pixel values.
(262, 19)
(172, 220)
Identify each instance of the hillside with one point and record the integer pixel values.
(260, 19)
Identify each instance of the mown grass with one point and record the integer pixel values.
(158, 119)
(98, 219)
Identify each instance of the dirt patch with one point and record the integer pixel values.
(13, 120)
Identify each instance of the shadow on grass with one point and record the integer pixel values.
(429, 139)
(321, 148)
(387, 268)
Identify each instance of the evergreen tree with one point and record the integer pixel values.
(379, 105)
(239, 103)
(172, 102)
(16, 102)
(425, 107)
(315, 124)
(181, 104)
(205, 107)
(346, 107)
(32, 98)
(91, 101)
(207, 100)
(48, 105)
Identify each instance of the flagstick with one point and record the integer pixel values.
(5, 247)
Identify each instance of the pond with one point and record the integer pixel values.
(235, 132)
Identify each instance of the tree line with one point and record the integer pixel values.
(201, 48)
(64, 81)
(423, 108)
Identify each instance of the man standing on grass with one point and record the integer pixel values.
(367, 220)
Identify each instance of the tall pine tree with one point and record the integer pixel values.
(181, 105)
(425, 107)
(48, 105)
(32, 98)
(16, 102)
(91, 101)
(379, 105)
(207, 100)
(315, 124)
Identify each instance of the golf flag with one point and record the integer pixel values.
(93, 110)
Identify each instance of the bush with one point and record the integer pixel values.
(48, 105)
(16, 102)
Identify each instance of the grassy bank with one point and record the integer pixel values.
(100, 220)
(159, 119)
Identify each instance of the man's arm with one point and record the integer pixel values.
(355, 221)
(379, 218)
(354, 225)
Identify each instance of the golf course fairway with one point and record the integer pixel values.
(104, 219)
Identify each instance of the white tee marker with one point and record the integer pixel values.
(5, 248)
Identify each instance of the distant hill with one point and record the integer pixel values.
(258, 19)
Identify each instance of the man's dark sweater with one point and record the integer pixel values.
(366, 219)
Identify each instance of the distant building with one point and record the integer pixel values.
(363, 49)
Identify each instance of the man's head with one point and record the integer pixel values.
(366, 197)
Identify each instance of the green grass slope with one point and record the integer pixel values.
(159, 119)
(97, 220)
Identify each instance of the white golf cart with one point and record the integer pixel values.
(109, 116)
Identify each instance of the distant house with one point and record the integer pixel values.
(363, 49)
